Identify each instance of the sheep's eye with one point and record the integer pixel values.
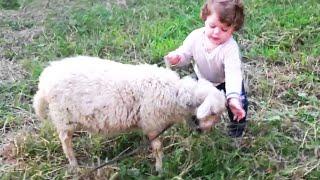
(189, 105)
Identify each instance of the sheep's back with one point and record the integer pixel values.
(109, 96)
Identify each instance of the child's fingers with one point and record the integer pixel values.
(235, 118)
(166, 61)
(237, 110)
(238, 113)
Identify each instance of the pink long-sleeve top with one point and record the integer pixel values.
(222, 64)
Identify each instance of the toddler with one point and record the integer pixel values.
(217, 57)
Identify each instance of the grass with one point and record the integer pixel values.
(9, 4)
(279, 43)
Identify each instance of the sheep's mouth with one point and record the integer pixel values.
(204, 125)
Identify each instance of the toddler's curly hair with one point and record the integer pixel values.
(230, 12)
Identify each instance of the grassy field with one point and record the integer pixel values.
(280, 43)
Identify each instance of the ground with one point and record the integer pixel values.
(280, 48)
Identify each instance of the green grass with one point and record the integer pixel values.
(9, 4)
(279, 43)
(282, 30)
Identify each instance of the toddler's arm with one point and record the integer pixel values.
(233, 79)
(182, 56)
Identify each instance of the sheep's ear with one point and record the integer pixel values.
(204, 109)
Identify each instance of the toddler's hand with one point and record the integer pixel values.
(172, 59)
(236, 109)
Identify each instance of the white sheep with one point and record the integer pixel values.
(108, 97)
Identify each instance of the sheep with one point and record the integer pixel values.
(108, 97)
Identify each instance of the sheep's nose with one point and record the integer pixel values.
(195, 120)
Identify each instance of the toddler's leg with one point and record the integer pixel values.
(236, 128)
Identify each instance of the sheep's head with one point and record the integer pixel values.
(212, 104)
(205, 100)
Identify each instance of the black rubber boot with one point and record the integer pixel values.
(236, 129)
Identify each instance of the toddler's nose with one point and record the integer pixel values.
(216, 30)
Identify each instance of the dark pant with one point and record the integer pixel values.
(236, 128)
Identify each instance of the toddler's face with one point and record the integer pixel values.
(215, 31)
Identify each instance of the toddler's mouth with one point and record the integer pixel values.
(215, 39)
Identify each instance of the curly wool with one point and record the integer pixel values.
(108, 97)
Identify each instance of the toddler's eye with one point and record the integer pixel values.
(224, 29)
(212, 26)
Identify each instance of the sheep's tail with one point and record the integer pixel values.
(40, 105)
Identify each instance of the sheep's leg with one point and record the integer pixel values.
(156, 146)
(66, 140)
